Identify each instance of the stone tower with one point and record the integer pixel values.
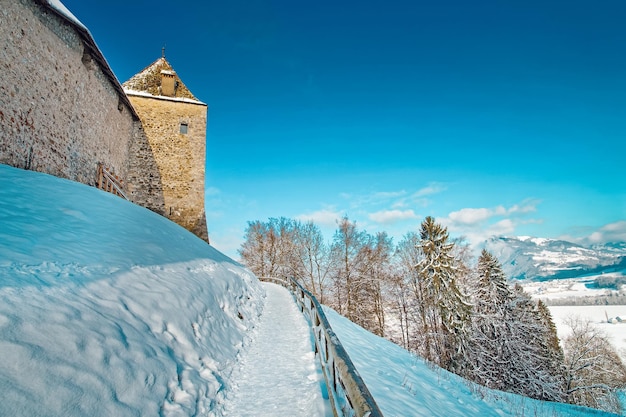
(175, 124)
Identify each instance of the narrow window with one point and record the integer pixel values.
(183, 128)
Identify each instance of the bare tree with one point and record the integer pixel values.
(345, 250)
(408, 290)
(257, 251)
(312, 259)
(269, 248)
(594, 371)
(360, 265)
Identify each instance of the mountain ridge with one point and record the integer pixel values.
(539, 259)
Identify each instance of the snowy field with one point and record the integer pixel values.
(598, 316)
(581, 289)
(107, 309)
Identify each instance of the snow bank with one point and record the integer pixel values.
(109, 309)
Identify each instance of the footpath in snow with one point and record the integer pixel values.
(278, 375)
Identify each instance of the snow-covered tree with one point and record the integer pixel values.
(312, 257)
(345, 250)
(257, 250)
(532, 372)
(405, 289)
(269, 248)
(444, 308)
(594, 370)
(512, 347)
(373, 275)
(491, 329)
(360, 265)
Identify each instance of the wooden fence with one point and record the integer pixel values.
(107, 181)
(348, 394)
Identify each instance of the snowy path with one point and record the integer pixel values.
(279, 374)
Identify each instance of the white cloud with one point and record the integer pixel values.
(478, 216)
(432, 188)
(392, 216)
(529, 207)
(477, 224)
(612, 232)
(503, 227)
(469, 216)
(324, 217)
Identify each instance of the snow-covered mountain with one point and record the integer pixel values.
(543, 259)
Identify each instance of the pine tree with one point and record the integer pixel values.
(491, 331)
(533, 373)
(556, 357)
(445, 309)
(513, 346)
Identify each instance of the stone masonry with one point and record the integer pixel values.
(63, 112)
(180, 156)
(175, 123)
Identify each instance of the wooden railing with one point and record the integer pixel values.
(107, 181)
(348, 394)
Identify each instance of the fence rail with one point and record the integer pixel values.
(107, 181)
(349, 396)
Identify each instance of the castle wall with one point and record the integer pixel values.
(179, 156)
(60, 112)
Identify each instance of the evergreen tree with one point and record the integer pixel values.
(556, 357)
(491, 331)
(532, 371)
(512, 346)
(445, 309)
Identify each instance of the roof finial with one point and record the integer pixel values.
(163, 52)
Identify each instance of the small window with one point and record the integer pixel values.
(183, 128)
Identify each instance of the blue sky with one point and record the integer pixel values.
(494, 117)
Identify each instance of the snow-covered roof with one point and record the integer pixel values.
(180, 99)
(60, 7)
(149, 81)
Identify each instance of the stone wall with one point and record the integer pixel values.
(179, 156)
(61, 112)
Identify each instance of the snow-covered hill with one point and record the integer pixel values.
(543, 259)
(107, 309)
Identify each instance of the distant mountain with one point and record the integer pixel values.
(541, 259)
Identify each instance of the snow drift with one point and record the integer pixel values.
(109, 309)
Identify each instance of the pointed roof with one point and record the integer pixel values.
(148, 81)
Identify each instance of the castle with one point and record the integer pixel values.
(63, 112)
(175, 124)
